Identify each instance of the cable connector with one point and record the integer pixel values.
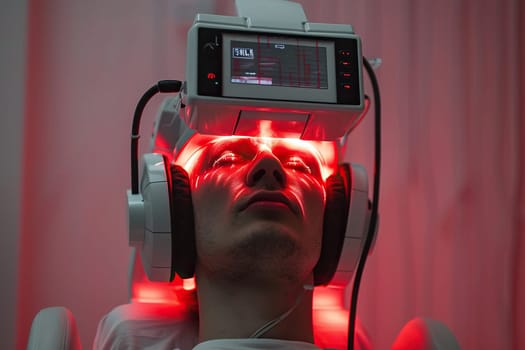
(169, 85)
(172, 86)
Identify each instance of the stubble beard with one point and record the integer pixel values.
(266, 256)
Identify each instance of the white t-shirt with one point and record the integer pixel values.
(254, 344)
(146, 326)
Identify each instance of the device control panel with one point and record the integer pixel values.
(305, 81)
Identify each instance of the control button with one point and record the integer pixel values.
(344, 53)
(346, 86)
(345, 75)
(345, 63)
(212, 79)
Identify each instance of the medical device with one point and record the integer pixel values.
(270, 63)
(267, 72)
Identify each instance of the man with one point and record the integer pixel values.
(258, 207)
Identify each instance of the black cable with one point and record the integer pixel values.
(375, 204)
(161, 86)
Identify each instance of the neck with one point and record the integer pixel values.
(236, 310)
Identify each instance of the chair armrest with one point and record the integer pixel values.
(54, 328)
(425, 334)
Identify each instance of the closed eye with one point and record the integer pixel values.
(227, 158)
(297, 164)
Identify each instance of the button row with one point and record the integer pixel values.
(345, 76)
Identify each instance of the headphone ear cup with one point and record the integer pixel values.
(334, 227)
(183, 253)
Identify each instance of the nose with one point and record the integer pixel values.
(266, 171)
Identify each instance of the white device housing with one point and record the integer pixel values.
(312, 110)
(356, 227)
(149, 219)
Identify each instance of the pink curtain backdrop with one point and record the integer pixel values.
(450, 244)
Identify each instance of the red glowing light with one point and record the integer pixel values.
(154, 293)
(211, 76)
(328, 298)
(325, 151)
(270, 128)
(329, 316)
(188, 284)
(163, 147)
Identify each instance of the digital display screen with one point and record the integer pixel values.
(278, 67)
(279, 62)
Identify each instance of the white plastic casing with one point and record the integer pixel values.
(150, 219)
(356, 227)
(220, 115)
(135, 219)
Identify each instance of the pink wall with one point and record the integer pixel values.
(452, 198)
(89, 62)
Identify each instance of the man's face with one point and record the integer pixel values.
(259, 206)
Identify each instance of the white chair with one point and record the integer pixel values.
(163, 316)
(425, 334)
(54, 328)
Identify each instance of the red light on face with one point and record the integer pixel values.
(324, 151)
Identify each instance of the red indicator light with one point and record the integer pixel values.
(345, 63)
(211, 76)
(346, 75)
(347, 86)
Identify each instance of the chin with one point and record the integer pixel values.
(273, 251)
(269, 238)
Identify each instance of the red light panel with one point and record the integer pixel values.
(270, 128)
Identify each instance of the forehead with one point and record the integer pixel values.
(256, 144)
(202, 146)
